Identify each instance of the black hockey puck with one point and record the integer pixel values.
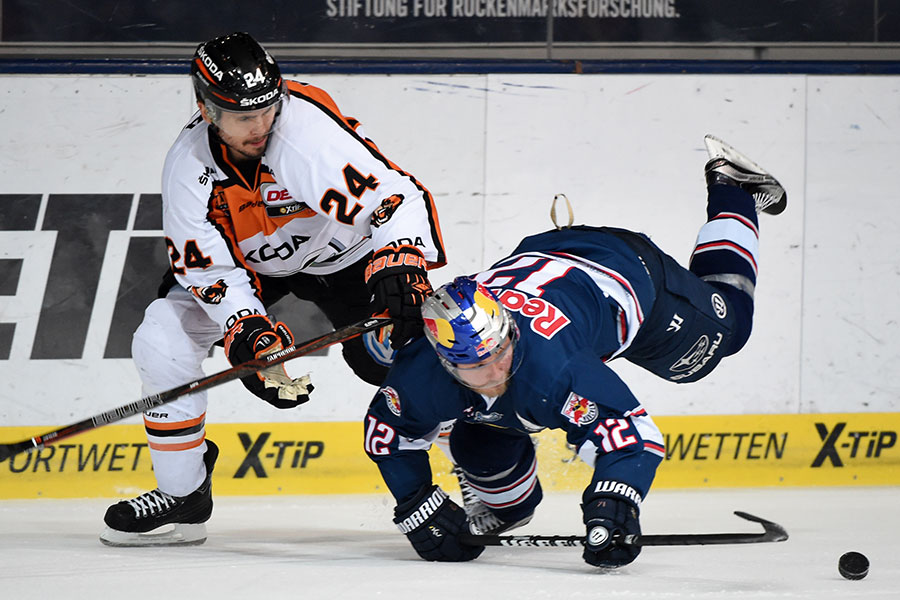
(853, 565)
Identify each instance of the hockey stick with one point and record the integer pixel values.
(772, 532)
(123, 412)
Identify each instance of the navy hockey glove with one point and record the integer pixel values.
(253, 337)
(398, 281)
(608, 518)
(432, 522)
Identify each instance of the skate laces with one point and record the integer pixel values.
(151, 503)
(472, 504)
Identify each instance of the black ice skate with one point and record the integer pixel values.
(730, 167)
(130, 522)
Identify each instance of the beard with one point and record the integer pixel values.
(245, 151)
(241, 150)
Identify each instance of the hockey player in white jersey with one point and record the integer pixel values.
(523, 347)
(269, 190)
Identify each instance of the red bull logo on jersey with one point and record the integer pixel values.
(392, 398)
(546, 319)
(579, 411)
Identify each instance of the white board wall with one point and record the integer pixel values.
(627, 150)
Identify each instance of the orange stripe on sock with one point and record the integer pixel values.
(175, 447)
(176, 425)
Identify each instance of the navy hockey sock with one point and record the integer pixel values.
(726, 254)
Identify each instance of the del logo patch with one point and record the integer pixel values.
(392, 398)
(578, 410)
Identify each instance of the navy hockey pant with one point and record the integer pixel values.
(703, 314)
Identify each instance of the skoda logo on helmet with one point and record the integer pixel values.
(261, 99)
(209, 64)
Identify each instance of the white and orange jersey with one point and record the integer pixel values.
(320, 199)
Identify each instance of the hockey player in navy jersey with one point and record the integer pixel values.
(523, 347)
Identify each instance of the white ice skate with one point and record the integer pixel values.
(730, 167)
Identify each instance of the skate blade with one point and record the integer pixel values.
(181, 534)
(717, 148)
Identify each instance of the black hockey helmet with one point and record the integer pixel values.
(235, 73)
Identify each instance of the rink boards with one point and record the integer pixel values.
(327, 457)
(80, 229)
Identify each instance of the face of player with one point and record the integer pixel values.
(245, 133)
(490, 376)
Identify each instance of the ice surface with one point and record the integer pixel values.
(346, 547)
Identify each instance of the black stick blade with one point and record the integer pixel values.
(8, 450)
(773, 531)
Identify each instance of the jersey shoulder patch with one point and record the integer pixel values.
(579, 411)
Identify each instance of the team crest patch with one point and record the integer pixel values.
(392, 398)
(211, 294)
(579, 411)
(384, 212)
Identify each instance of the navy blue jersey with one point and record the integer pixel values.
(578, 298)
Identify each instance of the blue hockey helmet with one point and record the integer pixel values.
(467, 325)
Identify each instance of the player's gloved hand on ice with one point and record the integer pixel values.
(432, 522)
(398, 281)
(253, 337)
(606, 519)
